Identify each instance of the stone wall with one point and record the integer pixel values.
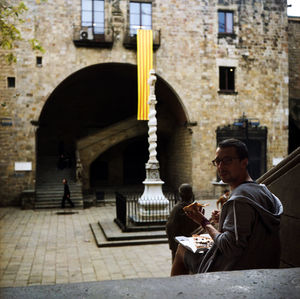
(188, 59)
(283, 180)
(179, 163)
(294, 57)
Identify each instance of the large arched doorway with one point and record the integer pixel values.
(97, 98)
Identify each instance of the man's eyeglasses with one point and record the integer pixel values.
(225, 161)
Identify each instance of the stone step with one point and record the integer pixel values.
(56, 199)
(49, 187)
(46, 192)
(101, 241)
(112, 232)
(57, 204)
(50, 190)
(56, 186)
(57, 194)
(52, 178)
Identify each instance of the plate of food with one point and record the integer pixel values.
(196, 243)
(203, 241)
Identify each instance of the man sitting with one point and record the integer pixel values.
(248, 235)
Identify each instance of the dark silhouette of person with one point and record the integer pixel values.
(66, 195)
(179, 224)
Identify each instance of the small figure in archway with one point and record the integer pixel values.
(78, 170)
(67, 195)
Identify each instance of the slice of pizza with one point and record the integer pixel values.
(194, 205)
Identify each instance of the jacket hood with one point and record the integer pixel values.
(267, 205)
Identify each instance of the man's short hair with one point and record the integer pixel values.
(241, 148)
(186, 190)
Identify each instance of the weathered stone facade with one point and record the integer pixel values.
(188, 61)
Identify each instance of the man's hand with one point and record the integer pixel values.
(215, 216)
(196, 214)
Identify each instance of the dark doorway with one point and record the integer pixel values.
(294, 124)
(98, 172)
(255, 158)
(135, 157)
(255, 137)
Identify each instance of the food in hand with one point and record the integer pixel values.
(193, 206)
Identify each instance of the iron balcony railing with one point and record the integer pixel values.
(129, 40)
(87, 37)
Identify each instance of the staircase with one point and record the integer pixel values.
(283, 180)
(49, 186)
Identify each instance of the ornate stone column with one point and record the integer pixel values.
(153, 202)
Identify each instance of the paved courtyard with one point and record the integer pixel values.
(41, 247)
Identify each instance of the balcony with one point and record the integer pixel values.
(129, 41)
(86, 37)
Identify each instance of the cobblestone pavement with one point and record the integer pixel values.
(41, 247)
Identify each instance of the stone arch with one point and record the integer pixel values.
(91, 147)
(95, 101)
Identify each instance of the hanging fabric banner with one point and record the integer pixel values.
(144, 65)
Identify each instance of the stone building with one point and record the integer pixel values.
(215, 61)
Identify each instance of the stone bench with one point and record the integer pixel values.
(267, 284)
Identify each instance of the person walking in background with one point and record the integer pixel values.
(67, 195)
(179, 224)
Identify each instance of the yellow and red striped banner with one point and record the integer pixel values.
(144, 64)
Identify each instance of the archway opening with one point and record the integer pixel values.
(99, 96)
(134, 159)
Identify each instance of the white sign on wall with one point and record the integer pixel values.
(23, 166)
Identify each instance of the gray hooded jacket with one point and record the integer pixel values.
(249, 225)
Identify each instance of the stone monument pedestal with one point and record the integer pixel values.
(153, 206)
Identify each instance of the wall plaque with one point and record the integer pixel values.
(23, 166)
